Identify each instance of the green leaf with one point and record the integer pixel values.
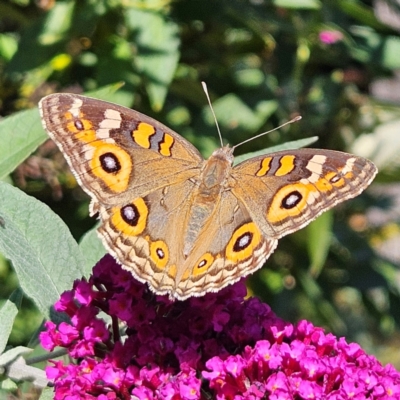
(14, 353)
(295, 144)
(8, 386)
(233, 113)
(249, 77)
(19, 370)
(57, 22)
(391, 51)
(361, 12)
(315, 293)
(47, 394)
(44, 254)
(42, 39)
(297, 4)
(8, 46)
(108, 93)
(157, 40)
(113, 94)
(383, 147)
(22, 133)
(7, 316)
(319, 235)
(92, 249)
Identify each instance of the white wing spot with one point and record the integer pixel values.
(76, 107)
(112, 120)
(349, 166)
(315, 166)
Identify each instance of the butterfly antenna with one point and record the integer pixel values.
(295, 119)
(213, 113)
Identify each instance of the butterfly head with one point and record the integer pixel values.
(224, 154)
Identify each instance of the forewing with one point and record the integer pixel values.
(287, 190)
(114, 152)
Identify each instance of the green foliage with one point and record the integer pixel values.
(44, 254)
(264, 62)
(25, 134)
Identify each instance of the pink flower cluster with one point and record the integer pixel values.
(124, 342)
(303, 363)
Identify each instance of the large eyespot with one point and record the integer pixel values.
(243, 242)
(112, 165)
(131, 219)
(290, 201)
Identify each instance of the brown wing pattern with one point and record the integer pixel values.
(115, 152)
(285, 191)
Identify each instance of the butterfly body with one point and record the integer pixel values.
(186, 225)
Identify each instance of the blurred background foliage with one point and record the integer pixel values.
(334, 62)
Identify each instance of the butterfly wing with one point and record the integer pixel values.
(165, 252)
(116, 154)
(285, 191)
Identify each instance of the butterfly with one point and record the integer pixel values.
(182, 224)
